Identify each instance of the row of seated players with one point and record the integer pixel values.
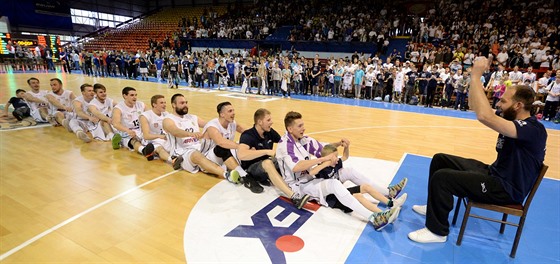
(192, 144)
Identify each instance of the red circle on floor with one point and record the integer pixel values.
(289, 243)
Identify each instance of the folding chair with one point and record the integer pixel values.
(514, 209)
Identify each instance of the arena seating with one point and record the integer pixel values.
(135, 36)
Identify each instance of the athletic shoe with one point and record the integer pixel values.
(394, 190)
(426, 236)
(251, 184)
(232, 176)
(382, 219)
(52, 120)
(28, 121)
(83, 136)
(265, 182)
(299, 201)
(116, 141)
(176, 163)
(420, 209)
(66, 124)
(398, 202)
(148, 151)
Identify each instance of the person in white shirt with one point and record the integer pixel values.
(101, 107)
(151, 125)
(37, 101)
(546, 60)
(347, 78)
(502, 57)
(76, 60)
(126, 121)
(60, 103)
(414, 56)
(527, 58)
(538, 54)
(515, 76)
(370, 78)
(552, 99)
(398, 84)
(388, 65)
(183, 133)
(83, 121)
(529, 78)
(218, 145)
(496, 78)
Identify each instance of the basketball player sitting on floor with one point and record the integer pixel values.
(327, 170)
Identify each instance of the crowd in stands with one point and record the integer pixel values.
(239, 22)
(465, 22)
(358, 76)
(311, 21)
(520, 38)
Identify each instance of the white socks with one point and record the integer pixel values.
(241, 171)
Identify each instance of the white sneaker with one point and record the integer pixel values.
(420, 209)
(52, 120)
(66, 124)
(398, 202)
(83, 136)
(426, 236)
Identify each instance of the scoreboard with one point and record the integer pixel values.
(4, 38)
(51, 42)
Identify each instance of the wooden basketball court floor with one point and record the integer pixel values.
(65, 201)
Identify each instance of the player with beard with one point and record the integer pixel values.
(60, 101)
(521, 147)
(183, 135)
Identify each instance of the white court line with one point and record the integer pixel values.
(71, 219)
(418, 155)
(27, 127)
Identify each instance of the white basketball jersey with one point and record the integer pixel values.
(130, 115)
(105, 108)
(228, 133)
(84, 107)
(64, 99)
(188, 123)
(155, 121)
(41, 95)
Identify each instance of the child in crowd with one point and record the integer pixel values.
(499, 90)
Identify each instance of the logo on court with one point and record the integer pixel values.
(229, 224)
(275, 225)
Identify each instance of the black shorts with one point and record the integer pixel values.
(315, 81)
(257, 171)
(333, 202)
